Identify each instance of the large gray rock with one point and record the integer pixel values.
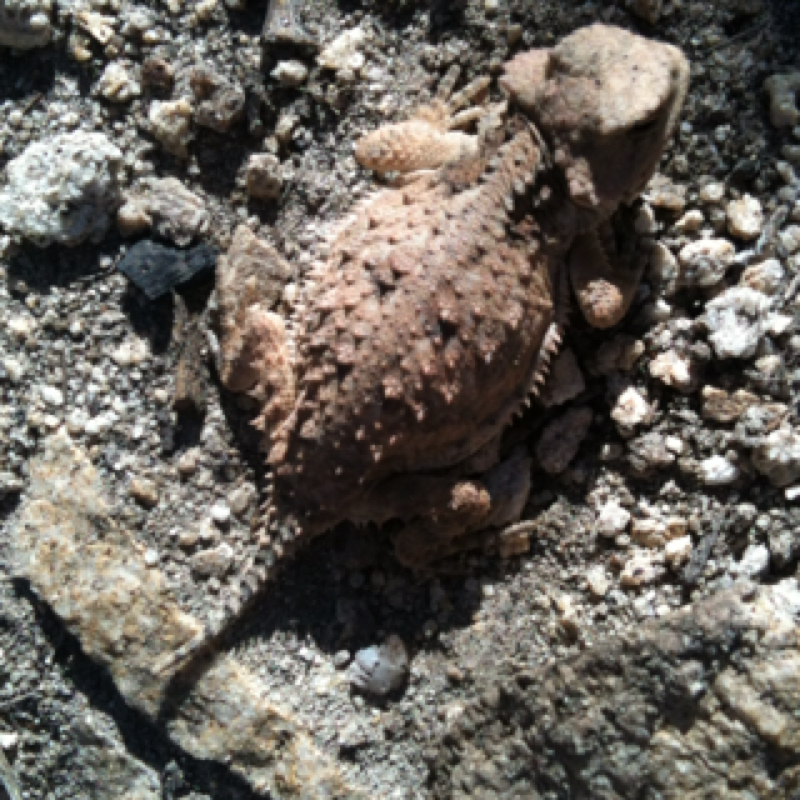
(62, 190)
(97, 582)
(702, 703)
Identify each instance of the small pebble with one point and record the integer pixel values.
(220, 513)
(290, 73)
(144, 491)
(379, 670)
(612, 519)
(745, 217)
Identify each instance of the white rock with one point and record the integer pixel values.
(745, 217)
(21, 326)
(132, 352)
(649, 532)
(754, 562)
(290, 73)
(597, 581)
(380, 670)
(778, 324)
(62, 190)
(343, 52)
(678, 551)
(630, 410)
(612, 520)
(52, 396)
(14, 369)
(704, 263)
(691, 221)
(100, 424)
(8, 740)
(76, 422)
(735, 321)
(712, 192)
(174, 211)
(790, 238)
(220, 513)
(673, 369)
(674, 444)
(25, 24)
(718, 471)
(778, 456)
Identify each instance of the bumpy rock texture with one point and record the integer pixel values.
(699, 704)
(62, 190)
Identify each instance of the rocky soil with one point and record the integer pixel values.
(640, 637)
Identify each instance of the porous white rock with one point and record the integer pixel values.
(705, 262)
(62, 190)
(174, 211)
(735, 321)
(25, 24)
(778, 456)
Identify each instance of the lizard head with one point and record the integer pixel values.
(606, 101)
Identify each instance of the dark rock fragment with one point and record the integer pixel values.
(155, 269)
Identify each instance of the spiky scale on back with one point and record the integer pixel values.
(426, 324)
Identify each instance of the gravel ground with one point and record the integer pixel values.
(686, 483)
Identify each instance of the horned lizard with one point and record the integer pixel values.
(411, 345)
(431, 321)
